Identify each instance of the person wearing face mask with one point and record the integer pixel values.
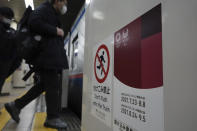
(48, 64)
(9, 61)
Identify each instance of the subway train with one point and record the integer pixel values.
(74, 46)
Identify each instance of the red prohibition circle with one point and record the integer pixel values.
(97, 57)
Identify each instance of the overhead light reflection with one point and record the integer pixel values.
(98, 15)
(29, 3)
(88, 2)
(76, 51)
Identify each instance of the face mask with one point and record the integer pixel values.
(64, 10)
(7, 21)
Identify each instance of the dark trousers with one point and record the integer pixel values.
(50, 81)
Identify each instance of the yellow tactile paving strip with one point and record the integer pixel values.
(38, 123)
(4, 118)
(13, 96)
(15, 93)
(8, 79)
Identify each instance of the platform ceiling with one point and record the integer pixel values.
(74, 7)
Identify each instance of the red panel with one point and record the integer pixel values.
(127, 54)
(151, 60)
(138, 52)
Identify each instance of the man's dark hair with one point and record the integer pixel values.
(53, 1)
(6, 12)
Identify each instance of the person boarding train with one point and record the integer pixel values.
(49, 63)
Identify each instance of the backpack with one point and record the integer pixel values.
(27, 42)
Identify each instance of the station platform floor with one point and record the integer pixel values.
(32, 117)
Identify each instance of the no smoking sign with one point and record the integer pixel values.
(101, 63)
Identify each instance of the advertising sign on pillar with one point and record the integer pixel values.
(102, 81)
(138, 76)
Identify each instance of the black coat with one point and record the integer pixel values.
(44, 21)
(9, 60)
(7, 43)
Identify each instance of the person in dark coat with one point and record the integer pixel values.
(49, 62)
(9, 61)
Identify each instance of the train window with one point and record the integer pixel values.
(74, 52)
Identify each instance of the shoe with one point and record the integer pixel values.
(13, 111)
(56, 123)
(5, 94)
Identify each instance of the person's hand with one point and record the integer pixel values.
(60, 32)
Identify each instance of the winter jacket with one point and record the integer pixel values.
(43, 21)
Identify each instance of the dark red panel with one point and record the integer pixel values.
(151, 60)
(127, 54)
(138, 52)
